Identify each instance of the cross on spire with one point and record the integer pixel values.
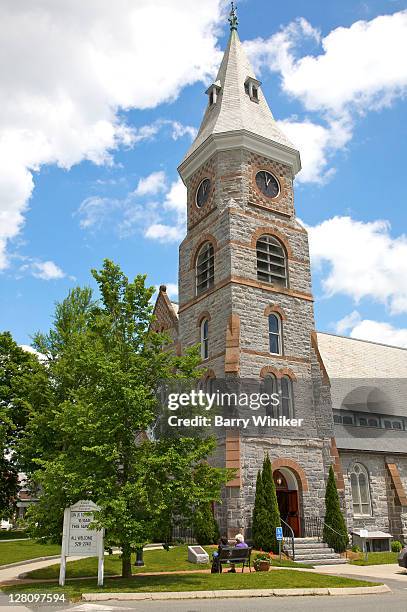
(233, 18)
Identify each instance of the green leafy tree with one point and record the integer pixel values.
(266, 515)
(259, 514)
(24, 388)
(106, 363)
(271, 505)
(205, 526)
(335, 531)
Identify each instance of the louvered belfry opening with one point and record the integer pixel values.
(271, 261)
(205, 268)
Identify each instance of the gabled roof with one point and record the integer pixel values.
(234, 110)
(345, 357)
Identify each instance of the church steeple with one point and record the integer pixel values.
(238, 111)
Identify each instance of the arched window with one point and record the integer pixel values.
(359, 481)
(205, 268)
(275, 334)
(271, 261)
(205, 339)
(287, 402)
(269, 386)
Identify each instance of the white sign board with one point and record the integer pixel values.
(78, 540)
(197, 554)
(363, 533)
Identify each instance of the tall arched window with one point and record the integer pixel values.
(205, 268)
(269, 386)
(275, 334)
(359, 481)
(271, 261)
(287, 401)
(205, 339)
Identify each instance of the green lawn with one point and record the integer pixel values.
(377, 558)
(11, 552)
(275, 579)
(11, 535)
(172, 560)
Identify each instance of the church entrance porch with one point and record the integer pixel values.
(288, 498)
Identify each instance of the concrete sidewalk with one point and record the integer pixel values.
(383, 572)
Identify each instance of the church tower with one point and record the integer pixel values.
(245, 290)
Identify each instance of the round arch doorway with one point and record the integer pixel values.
(288, 498)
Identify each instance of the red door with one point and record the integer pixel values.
(293, 518)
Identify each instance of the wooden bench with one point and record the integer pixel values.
(231, 554)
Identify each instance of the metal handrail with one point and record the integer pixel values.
(292, 537)
(341, 535)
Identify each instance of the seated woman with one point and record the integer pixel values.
(239, 543)
(216, 566)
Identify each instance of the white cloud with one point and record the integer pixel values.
(316, 144)
(45, 270)
(348, 322)
(175, 205)
(73, 66)
(158, 220)
(361, 260)
(375, 331)
(151, 184)
(360, 68)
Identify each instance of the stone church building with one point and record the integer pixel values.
(245, 295)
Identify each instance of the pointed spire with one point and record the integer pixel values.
(233, 17)
(237, 106)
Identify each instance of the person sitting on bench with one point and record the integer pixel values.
(240, 543)
(216, 567)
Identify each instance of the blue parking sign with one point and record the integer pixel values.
(279, 533)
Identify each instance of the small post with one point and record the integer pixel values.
(62, 571)
(101, 558)
(279, 548)
(139, 562)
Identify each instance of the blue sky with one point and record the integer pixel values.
(100, 108)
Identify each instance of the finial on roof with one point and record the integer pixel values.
(233, 18)
(163, 288)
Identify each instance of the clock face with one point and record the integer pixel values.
(202, 193)
(267, 183)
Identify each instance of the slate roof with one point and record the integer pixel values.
(234, 110)
(350, 358)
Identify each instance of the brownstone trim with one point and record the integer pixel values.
(232, 456)
(271, 231)
(314, 344)
(259, 285)
(397, 483)
(337, 466)
(202, 316)
(232, 353)
(254, 215)
(248, 283)
(205, 238)
(269, 370)
(273, 308)
(209, 373)
(275, 357)
(289, 373)
(270, 209)
(295, 467)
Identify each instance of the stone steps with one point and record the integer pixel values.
(314, 552)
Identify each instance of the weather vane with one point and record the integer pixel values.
(233, 17)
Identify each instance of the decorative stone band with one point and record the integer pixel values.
(237, 280)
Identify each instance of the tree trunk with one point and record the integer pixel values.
(126, 561)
